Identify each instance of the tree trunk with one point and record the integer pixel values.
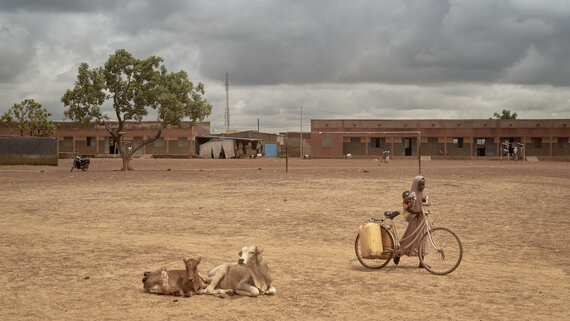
(127, 162)
(126, 156)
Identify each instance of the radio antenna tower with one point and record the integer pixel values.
(227, 113)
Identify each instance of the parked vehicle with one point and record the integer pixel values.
(81, 163)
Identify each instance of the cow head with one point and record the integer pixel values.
(192, 270)
(249, 254)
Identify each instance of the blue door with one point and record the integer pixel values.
(270, 150)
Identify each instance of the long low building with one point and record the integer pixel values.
(94, 140)
(450, 138)
(334, 138)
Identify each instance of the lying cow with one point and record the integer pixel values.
(249, 276)
(175, 282)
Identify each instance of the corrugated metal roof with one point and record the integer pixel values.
(234, 138)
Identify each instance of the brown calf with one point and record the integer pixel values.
(175, 282)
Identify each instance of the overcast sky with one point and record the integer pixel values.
(377, 59)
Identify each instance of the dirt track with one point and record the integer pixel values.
(74, 245)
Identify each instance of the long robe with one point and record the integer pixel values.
(411, 249)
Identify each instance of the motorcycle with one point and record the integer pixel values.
(81, 163)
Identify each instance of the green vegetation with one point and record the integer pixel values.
(30, 118)
(133, 86)
(505, 114)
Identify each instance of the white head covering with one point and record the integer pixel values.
(417, 206)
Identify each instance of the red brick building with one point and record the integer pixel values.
(95, 141)
(454, 138)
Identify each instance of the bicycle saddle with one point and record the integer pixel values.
(391, 215)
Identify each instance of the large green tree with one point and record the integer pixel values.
(30, 118)
(505, 114)
(134, 86)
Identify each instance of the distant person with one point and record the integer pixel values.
(515, 153)
(386, 156)
(414, 218)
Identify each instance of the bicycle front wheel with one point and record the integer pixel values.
(377, 263)
(444, 251)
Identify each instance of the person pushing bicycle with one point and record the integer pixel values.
(412, 203)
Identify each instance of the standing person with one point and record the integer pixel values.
(415, 220)
(515, 153)
(386, 155)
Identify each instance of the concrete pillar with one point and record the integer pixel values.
(472, 144)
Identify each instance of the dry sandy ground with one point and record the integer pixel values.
(74, 245)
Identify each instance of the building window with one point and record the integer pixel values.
(432, 142)
(182, 141)
(90, 141)
(481, 141)
(536, 142)
(458, 142)
(326, 142)
(67, 141)
(159, 142)
(379, 142)
(563, 142)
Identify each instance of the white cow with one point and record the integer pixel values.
(249, 276)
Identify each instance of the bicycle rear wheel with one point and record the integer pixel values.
(385, 258)
(445, 252)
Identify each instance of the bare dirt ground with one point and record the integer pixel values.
(74, 245)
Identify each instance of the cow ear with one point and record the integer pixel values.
(183, 259)
(199, 259)
(239, 254)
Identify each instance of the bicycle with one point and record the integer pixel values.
(448, 249)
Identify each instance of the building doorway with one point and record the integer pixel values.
(408, 146)
(484, 146)
(110, 146)
(480, 146)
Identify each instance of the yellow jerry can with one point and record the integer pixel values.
(370, 241)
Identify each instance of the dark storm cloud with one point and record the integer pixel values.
(383, 41)
(14, 50)
(58, 5)
(339, 59)
(304, 42)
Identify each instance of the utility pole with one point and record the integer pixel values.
(227, 113)
(301, 136)
(286, 152)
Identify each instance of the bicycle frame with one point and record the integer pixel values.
(398, 250)
(442, 242)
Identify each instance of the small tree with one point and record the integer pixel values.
(30, 118)
(133, 86)
(506, 114)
